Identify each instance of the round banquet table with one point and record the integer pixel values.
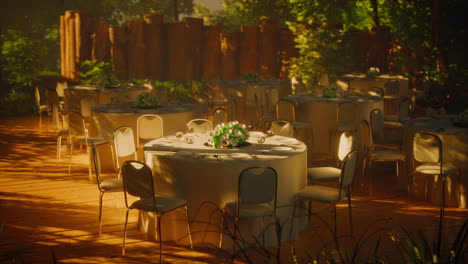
(252, 100)
(207, 178)
(395, 85)
(74, 94)
(455, 152)
(108, 117)
(320, 112)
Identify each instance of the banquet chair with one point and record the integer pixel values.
(124, 146)
(138, 182)
(104, 186)
(59, 127)
(282, 128)
(199, 125)
(78, 134)
(401, 115)
(376, 91)
(286, 110)
(256, 197)
(377, 125)
(40, 107)
(219, 115)
(149, 127)
(372, 153)
(60, 89)
(265, 117)
(333, 195)
(346, 116)
(86, 105)
(428, 160)
(346, 145)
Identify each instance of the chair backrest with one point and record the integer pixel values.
(56, 117)
(76, 124)
(60, 87)
(199, 125)
(376, 124)
(346, 112)
(348, 170)
(346, 145)
(37, 97)
(427, 147)
(137, 180)
(257, 184)
(404, 110)
(124, 145)
(219, 115)
(376, 91)
(149, 127)
(86, 103)
(272, 98)
(282, 128)
(286, 110)
(97, 164)
(366, 139)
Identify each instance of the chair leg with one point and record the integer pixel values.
(334, 212)
(159, 237)
(125, 233)
(188, 227)
(100, 212)
(371, 180)
(350, 215)
(59, 146)
(263, 231)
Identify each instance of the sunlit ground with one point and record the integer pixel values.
(51, 214)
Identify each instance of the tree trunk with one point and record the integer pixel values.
(375, 12)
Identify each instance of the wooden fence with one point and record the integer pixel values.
(189, 50)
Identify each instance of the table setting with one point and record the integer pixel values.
(203, 168)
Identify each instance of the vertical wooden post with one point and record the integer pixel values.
(63, 46)
(101, 43)
(230, 55)
(154, 48)
(82, 37)
(195, 29)
(136, 50)
(118, 40)
(70, 54)
(268, 48)
(211, 55)
(287, 51)
(248, 59)
(176, 50)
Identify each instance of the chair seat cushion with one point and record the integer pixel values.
(323, 174)
(163, 204)
(250, 210)
(112, 185)
(393, 124)
(434, 169)
(389, 155)
(322, 194)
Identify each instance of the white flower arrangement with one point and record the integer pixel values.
(232, 134)
(373, 72)
(333, 91)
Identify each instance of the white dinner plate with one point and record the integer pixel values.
(240, 156)
(163, 144)
(281, 149)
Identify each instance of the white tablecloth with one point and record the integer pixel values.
(395, 85)
(74, 94)
(320, 112)
(193, 172)
(455, 152)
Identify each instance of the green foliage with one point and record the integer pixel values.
(98, 73)
(17, 103)
(251, 77)
(147, 100)
(21, 58)
(322, 51)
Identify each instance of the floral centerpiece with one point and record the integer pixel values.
(232, 134)
(373, 72)
(147, 100)
(333, 91)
